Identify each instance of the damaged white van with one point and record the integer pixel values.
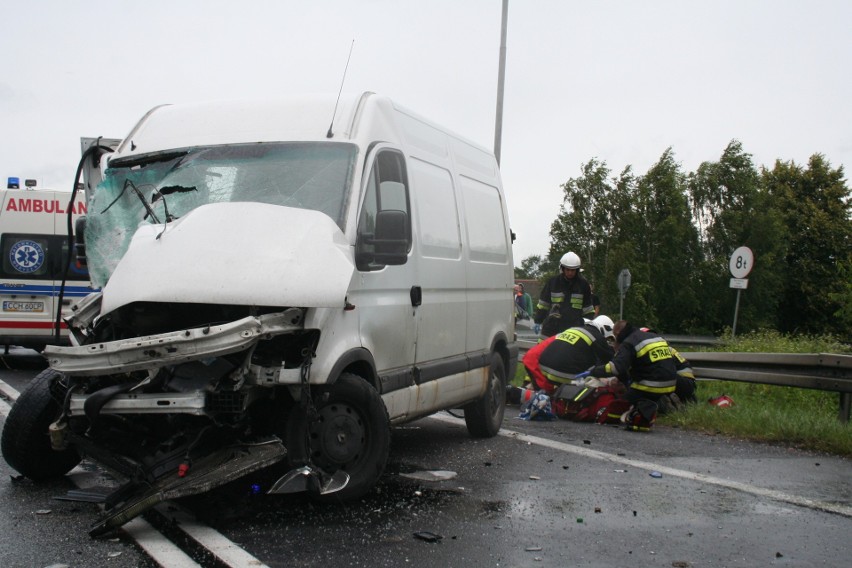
(274, 289)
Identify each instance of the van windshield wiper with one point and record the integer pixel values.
(168, 190)
(149, 210)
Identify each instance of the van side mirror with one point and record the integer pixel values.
(389, 241)
(79, 240)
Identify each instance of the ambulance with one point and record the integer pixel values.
(34, 249)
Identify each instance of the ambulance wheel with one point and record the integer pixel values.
(351, 432)
(25, 442)
(484, 417)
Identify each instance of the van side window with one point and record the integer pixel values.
(384, 225)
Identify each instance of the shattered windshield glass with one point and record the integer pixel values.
(164, 187)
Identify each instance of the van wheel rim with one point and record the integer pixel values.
(338, 436)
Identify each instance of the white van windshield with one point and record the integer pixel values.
(156, 188)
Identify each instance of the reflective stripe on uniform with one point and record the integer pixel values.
(611, 369)
(655, 349)
(574, 334)
(556, 376)
(686, 372)
(658, 387)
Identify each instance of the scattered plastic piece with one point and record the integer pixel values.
(579, 519)
(439, 475)
(779, 555)
(587, 442)
(723, 401)
(535, 477)
(620, 470)
(634, 513)
(597, 509)
(428, 536)
(656, 474)
(43, 512)
(533, 549)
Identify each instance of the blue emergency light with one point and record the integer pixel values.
(13, 183)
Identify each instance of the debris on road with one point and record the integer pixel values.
(438, 475)
(428, 536)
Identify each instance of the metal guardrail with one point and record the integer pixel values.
(819, 371)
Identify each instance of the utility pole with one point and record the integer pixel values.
(501, 78)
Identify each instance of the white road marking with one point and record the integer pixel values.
(223, 548)
(160, 549)
(9, 391)
(844, 510)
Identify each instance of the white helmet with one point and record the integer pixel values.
(604, 324)
(569, 260)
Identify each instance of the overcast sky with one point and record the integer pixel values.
(617, 80)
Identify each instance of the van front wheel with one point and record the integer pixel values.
(484, 417)
(350, 431)
(26, 443)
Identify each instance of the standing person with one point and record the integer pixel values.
(596, 301)
(644, 363)
(565, 299)
(527, 300)
(520, 309)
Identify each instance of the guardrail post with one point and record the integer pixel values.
(845, 406)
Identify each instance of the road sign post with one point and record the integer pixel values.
(623, 285)
(739, 265)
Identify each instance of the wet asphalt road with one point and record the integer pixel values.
(541, 494)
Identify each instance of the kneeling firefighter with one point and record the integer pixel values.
(644, 363)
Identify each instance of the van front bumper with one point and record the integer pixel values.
(172, 348)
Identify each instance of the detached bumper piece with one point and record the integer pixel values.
(211, 471)
(311, 479)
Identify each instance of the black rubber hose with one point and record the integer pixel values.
(67, 261)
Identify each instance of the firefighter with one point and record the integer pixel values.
(644, 362)
(565, 300)
(575, 350)
(685, 388)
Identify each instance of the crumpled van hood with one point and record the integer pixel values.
(236, 254)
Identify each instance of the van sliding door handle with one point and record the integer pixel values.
(416, 296)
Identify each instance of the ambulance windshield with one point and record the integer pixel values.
(159, 188)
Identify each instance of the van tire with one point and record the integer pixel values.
(351, 432)
(484, 417)
(25, 442)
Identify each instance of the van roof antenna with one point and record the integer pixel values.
(330, 134)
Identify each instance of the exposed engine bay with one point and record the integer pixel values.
(177, 410)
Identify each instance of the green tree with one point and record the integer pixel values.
(843, 298)
(582, 222)
(814, 204)
(532, 267)
(730, 210)
(668, 247)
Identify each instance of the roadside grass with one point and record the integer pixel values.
(802, 418)
(792, 417)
